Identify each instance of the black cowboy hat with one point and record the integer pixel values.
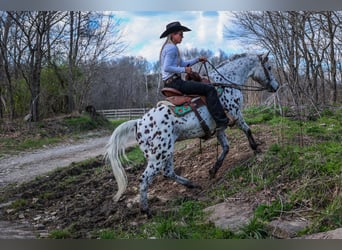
(174, 27)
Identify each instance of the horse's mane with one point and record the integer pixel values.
(232, 58)
(237, 56)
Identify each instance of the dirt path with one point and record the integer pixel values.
(26, 166)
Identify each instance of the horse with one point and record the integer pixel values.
(157, 130)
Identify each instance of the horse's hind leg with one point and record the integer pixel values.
(170, 173)
(146, 179)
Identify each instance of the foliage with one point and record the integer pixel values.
(60, 234)
(86, 122)
(186, 222)
(304, 174)
(290, 178)
(52, 131)
(259, 114)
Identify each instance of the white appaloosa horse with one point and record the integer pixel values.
(158, 130)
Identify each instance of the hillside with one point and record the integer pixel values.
(297, 176)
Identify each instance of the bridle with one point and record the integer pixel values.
(238, 86)
(267, 74)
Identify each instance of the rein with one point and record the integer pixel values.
(230, 83)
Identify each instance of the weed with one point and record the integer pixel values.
(261, 114)
(255, 229)
(269, 212)
(60, 234)
(19, 203)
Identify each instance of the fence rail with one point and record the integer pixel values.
(123, 113)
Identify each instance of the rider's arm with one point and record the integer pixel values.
(171, 61)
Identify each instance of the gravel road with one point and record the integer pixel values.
(28, 165)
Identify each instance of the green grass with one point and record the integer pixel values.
(86, 122)
(10, 145)
(257, 115)
(60, 234)
(304, 178)
(43, 133)
(135, 156)
(19, 203)
(186, 222)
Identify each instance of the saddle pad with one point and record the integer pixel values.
(181, 110)
(180, 106)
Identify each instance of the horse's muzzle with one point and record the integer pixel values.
(273, 87)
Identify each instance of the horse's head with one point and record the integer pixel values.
(263, 74)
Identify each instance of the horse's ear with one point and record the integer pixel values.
(265, 57)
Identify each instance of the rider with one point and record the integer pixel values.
(172, 66)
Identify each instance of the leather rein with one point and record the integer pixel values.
(230, 83)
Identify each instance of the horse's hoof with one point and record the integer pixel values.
(257, 151)
(147, 212)
(196, 186)
(212, 173)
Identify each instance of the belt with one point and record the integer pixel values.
(171, 79)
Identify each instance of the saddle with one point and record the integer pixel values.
(186, 103)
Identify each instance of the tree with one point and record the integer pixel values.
(303, 44)
(88, 39)
(31, 46)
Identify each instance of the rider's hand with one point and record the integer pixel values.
(202, 59)
(188, 70)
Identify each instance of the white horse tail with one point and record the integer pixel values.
(123, 137)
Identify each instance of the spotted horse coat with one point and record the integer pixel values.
(157, 131)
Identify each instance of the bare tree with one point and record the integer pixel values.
(304, 46)
(5, 75)
(89, 38)
(31, 43)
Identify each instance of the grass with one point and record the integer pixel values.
(48, 132)
(86, 122)
(187, 222)
(60, 234)
(304, 175)
(300, 172)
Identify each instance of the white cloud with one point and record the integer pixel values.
(142, 31)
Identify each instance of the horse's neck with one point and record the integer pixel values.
(237, 71)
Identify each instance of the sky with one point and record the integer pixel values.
(142, 30)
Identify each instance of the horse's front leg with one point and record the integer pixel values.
(245, 128)
(222, 138)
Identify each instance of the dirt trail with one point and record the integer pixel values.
(26, 166)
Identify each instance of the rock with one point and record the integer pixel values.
(285, 229)
(39, 226)
(232, 215)
(333, 234)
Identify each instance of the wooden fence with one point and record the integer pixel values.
(123, 113)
